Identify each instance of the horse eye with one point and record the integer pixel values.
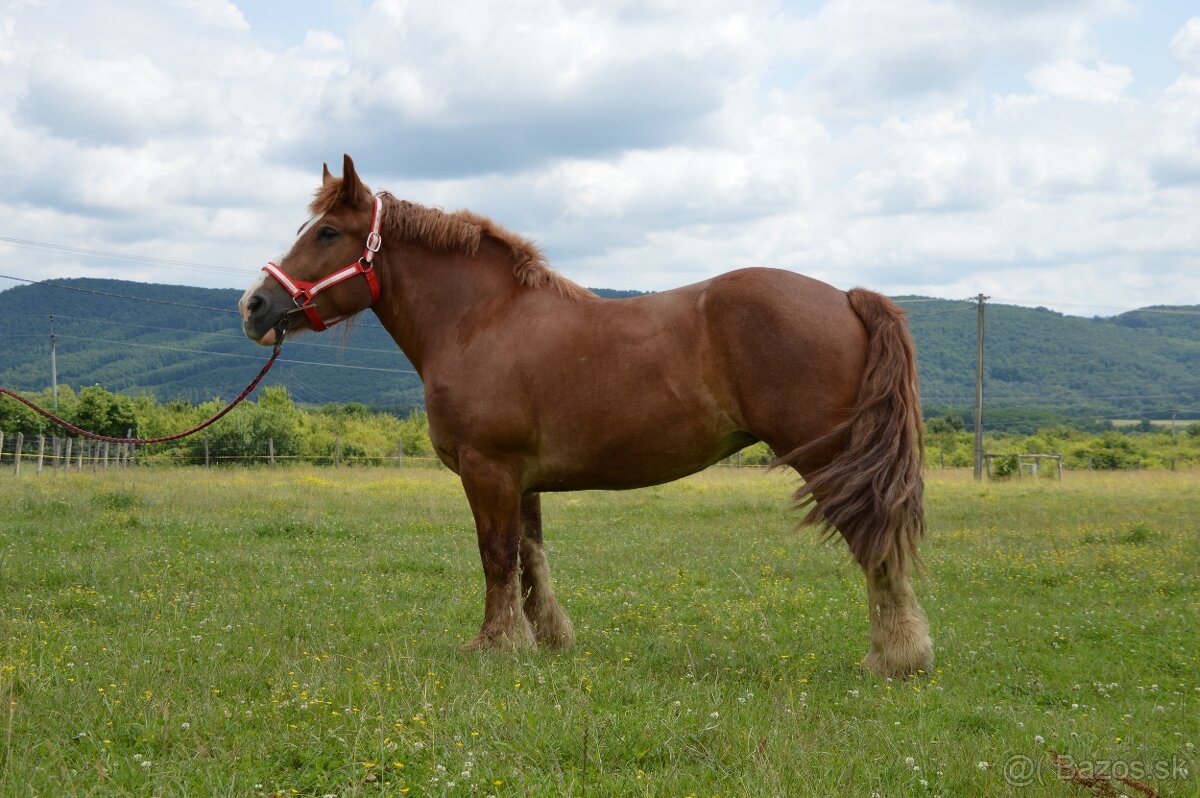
(326, 233)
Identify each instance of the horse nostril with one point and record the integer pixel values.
(254, 303)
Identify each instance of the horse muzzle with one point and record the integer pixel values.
(265, 314)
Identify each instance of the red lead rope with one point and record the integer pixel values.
(109, 439)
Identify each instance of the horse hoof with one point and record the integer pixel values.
(502, 641)
(551, 626)
(899, 664)
(556, 635)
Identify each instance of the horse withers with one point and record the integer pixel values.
(535, 384)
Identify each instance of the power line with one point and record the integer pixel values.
(250, 357)
(118, 296)
(1167, 311)
(324, 397)
(118, 256)
(940, 312)
(1123, 310)
(1185, 395)
(221, 333)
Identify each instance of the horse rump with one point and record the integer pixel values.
(871, 491)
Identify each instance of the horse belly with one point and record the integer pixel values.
(643, 430)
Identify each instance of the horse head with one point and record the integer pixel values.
(317, 283)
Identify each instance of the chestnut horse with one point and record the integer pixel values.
(535, 384)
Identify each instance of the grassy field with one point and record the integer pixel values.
(296, 632)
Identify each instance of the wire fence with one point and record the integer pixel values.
(36, 454)
(22, 454)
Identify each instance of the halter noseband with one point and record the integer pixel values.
(304, 293)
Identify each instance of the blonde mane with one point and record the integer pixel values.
(458, 232)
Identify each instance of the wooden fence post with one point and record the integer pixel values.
(41, 451)
(271, 451)
(17, 453)
(400, 454)
(66, 461)
(207, 463)
(1, 445)
(337, 451)
(79, 456)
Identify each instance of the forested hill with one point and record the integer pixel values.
(180, 342)
(1040, 364)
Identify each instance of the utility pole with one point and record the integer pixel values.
(980, 299)
(53, 367)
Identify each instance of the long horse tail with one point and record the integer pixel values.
(872, 490)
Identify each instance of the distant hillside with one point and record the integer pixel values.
(190, 353)
(1041, 365)
(1144, 363)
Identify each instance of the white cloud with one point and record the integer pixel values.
(866, 51)
(1176, 160)
(1066, 78)
(216, 13)
(434, 97)
(124, 102)
(1185, 45)
(941, 147)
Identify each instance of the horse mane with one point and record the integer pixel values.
(458, 232)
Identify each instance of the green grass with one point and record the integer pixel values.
(297, 632)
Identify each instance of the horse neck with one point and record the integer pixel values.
(431, 299)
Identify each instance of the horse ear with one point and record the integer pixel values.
(326, 175)
(352, 188)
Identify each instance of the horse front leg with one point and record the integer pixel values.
(495, 497)
(550, 624)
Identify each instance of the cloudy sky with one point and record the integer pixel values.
(1045, 152)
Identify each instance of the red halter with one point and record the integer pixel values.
(304, 293)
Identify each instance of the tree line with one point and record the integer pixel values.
(273, 425)
(1094, 445)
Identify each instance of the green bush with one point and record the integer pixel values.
(1006, 466)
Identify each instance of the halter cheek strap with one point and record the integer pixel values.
(304, 293)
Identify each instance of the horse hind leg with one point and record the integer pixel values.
(900, 642)
(872, 490)
(882, 538)
(551, 625)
